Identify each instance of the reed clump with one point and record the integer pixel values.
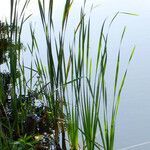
(63, 106)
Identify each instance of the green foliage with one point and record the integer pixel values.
(73, 88)
(24, 143)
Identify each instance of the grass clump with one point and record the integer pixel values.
(66, 104)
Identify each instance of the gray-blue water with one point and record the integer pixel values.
(134, 113)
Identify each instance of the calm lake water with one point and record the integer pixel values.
(134, 113)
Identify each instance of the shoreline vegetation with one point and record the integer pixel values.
(64, 105)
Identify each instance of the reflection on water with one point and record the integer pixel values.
(134, 113)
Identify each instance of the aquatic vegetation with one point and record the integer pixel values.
(68, 100)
